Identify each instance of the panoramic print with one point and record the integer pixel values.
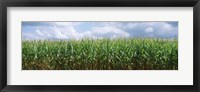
(99, 45)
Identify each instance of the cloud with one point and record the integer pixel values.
(108, 32)
(153, 29)
(149, 30)
(61, 30)
(71, 30)
(39, 32)
(130, 26)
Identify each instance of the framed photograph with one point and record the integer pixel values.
(92, 45)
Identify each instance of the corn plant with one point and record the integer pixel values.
(101, 54)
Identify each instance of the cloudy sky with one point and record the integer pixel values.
(97, 30)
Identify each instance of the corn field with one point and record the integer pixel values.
(101, 54)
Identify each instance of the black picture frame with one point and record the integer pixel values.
(99, 3)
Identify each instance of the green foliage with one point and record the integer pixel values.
(101, 54)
